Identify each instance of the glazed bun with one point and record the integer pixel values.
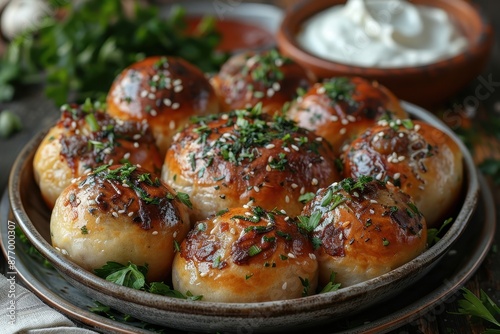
(247, 157)
(341, 108)
(363, 229)
(420, 159)
(120, 214)
(86, 137)
(246, 255)
(164, 91)
(266, 77)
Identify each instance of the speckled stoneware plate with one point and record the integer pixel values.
(33, 217)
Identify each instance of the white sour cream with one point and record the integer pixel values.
(382, 33)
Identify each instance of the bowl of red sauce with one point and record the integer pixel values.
(242, 26)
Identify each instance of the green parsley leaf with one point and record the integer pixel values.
(184, 198)
(331, 285)
(306, 197)
(131, 275)
(309, 223)
(434, 234)
(482, 307)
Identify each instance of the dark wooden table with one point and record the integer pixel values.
(36, 113)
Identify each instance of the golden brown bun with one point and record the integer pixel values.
(364, 231)
(341, 108)
(232, 159)
(422, 160)
(267, 77)
(119, 214)
(164, 91)
(228, 258)
(76, 144)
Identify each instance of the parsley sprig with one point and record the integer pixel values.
(134, 277)
(80, 54)
(481, 307)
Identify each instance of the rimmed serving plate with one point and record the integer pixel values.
(33, 217)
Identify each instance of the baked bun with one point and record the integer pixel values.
(86, 137)
(363, 229)
(164, 91)
(341, 108)
(120, 213)
(246, 255)
(245, 157)
(415, 156)
(266, 77)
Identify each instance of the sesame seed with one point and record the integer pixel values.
(232, 230)
(154, 233)
(321, 90)
(355, 194)
(225, 117)
(287, 218)
(320, 139)
(171, 125)
(153, 89)
(284, 286)
(401, 158)
(302, 190)
(136, 144)
(175, 105)
(372, 211)
(137, 136)
(286, 149)
(256, 189)
(343, 131)
(126, 155)
(344, 121)
(98, 220)
(114, 214)
(334, 118)
(174, 234)
(151, 96)
(167, 102)
(314, 182)
(144, 93)
(270, 92)
(401, 135)
(153, 112)
(416, 127)
(178, 89)
(270, 146)
(121, 211)
(287, 199)
(65, 252)
(351, 118)
(294, 185)
(291, 256)
(276, 86)
(373, 201)
(397, 176)
(131, 213)
(312, 256)
(379, 176)
(295, 147)
(268, 168)
(177, 82)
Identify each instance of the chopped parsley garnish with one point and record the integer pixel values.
(434, 234)
(84, 229)
(339, 89)
(304, 198)
(309, 223)
(350, 185)
(254, 250)
(306, 285)
(266, 67)
(331, 285)
(184, 198)
(483, 308)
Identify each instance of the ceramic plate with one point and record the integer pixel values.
(33, 217)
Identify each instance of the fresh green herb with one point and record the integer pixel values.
(177, 247)
(304, 198)
(306, 285)
(84, 51)
(309, 223)
(385, 242)
(84, 229)
(408, 123)
(131, 275)
(160, 288)
(283, 257)
(331, 285)
(350, 185)
(280, 163)
(327, 199)
(10, 123)
(337, 200)
(221, 212)
(316, 242)
(284, 235)
(267, 68)
(491, 167)
(184, 198)
(434, 234)
(339, 89)
(254, 250)
(482, 307)
(216, 262)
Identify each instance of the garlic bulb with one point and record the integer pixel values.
(20, 15)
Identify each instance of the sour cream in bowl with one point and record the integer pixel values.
(425, 51)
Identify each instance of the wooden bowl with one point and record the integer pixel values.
(425, 85)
